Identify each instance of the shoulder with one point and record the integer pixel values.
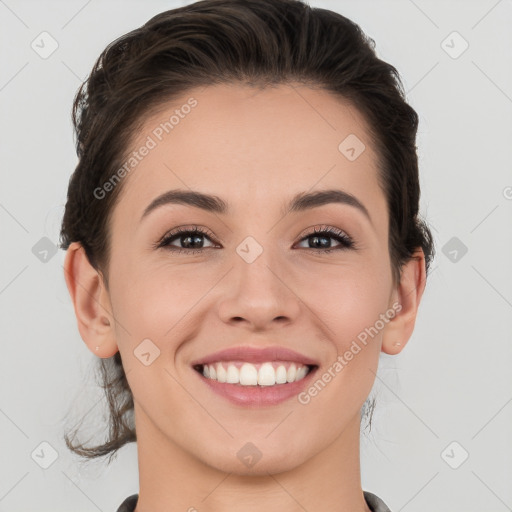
(375, 503)
(128, 504)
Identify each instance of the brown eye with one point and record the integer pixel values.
(190, 240)
(320, 239)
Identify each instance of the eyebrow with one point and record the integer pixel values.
(211, 203)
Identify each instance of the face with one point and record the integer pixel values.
(257, 274)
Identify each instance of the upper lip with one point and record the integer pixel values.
(255, 355)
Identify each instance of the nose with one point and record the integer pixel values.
(259, 294)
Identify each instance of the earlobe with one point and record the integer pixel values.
(408, 294)
(91, 302)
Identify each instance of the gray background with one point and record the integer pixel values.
(452, 383)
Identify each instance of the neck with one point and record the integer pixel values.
(172, 479)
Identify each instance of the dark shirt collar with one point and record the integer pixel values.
(373, 501)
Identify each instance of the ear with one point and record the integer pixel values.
(408, 294)
(91, 302)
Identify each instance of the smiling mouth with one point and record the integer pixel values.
(241, 373)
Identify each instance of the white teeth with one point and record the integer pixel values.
(233, 375)
(291, 373)
(301, 373)
(248, 374)
(221, 373)
(280, 375)
(266, 375)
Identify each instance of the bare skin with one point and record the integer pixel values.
(254, 149)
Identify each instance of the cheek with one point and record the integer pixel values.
(350, 303)
(349, 298)
(155, 304)
(155, 301)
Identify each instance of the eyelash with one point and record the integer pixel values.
(327, 231)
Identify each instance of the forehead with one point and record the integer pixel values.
(249, 144)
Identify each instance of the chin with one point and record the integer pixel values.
(246, 459)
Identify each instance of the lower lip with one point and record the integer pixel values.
(258, 395)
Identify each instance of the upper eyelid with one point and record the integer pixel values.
(323, 228)
(184, 230)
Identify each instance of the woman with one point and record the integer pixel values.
(243, 240)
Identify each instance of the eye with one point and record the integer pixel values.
(319, 239)
(191, 239)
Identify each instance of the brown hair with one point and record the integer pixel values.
(256, 42)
